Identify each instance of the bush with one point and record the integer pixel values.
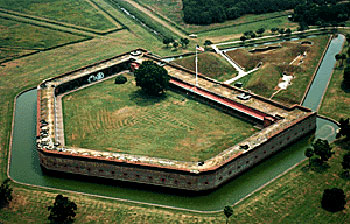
(333, 200)
(120, 80)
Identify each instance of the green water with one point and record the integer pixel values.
(25, 166)
(314, 96)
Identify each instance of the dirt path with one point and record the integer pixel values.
(155, 18)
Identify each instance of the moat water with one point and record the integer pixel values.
(25, 166)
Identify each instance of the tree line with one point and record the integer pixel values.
(212, 11)
(321, 12)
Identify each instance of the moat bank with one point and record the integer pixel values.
(25, 168)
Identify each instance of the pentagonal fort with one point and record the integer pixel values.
(195, 139)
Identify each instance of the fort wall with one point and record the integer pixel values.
(180, 179)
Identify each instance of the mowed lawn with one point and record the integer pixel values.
(274, 62)
(120, 118)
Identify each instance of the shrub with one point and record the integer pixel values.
(120, 80)
(333, 200)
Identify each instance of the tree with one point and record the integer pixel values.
(186, 41)
(120, 79)
(168, 40)
(175, 45)
(337, 57)
(322, 149)
(344, 128)
(228, 212)
(346, 163)
(281, 31)
(206, 43)
(319, 23)
(333, 199)
(182, 42)
(273, 30)
(342, 58)
(152, 78)
(288, 31)
(309, 152)
(62, 211)
(346, 77)
(347, 36)
(243, 38)
(260, 31)
(5, 193)
(248, 33)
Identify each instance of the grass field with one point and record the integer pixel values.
(336, 100)
(26, 36)
(20, 38)
(210, 65)
(119, 118)
(172, 9)
(265, 81)
(78, 12)
(234, 32)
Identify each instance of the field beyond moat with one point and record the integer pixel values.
(119, 118)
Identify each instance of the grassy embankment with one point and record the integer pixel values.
(336, 101)
(210, 65)
(293, 198)
(265, 81)
(120, 118)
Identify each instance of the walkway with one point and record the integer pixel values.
(241, 72)
(224, 101)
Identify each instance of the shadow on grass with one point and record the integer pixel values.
(143, 99)
(316, 165)
(345, 88)
(343, 143)
(345, 175)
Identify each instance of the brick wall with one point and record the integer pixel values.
(174, 178)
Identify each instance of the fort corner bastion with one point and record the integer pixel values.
(280, 125)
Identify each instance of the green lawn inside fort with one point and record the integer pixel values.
(123, 119)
